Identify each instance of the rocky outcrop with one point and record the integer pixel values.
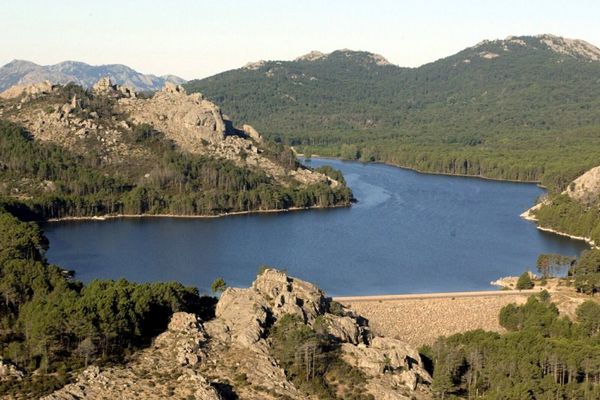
(229, 356)
(575, 48)
(105, 86)
(195, 124)
(29, 91)
(585, 188)
(168, 369)
(393, 366)
(188, 120)
(252, 133)
(9, 372)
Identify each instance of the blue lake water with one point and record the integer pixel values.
(408, 233)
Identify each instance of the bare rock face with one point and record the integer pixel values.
(9, 372)
(345, 329)
(188, 120)
(193, 123)
(394, 368)
(168, 369)
(586, 188)
(30, 91)
(252, 133)
(105, 86)
(289, 295)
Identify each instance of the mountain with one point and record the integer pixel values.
(19, 72)
(503, 109)
(71, 152)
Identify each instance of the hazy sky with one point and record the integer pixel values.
(195, 39)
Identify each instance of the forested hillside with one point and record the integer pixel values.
(76, 153)
(523, 108)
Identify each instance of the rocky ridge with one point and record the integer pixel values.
(205, 359)
(20, 72)
(575, 48)
(193, 123)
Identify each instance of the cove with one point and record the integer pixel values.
(408, 233)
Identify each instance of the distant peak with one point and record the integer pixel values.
(575, 48)
(371, 57)
(19, 63)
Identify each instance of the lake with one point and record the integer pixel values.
(408, 233)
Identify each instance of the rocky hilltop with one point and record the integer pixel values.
(193, 123)
(451, 116)
(176, 147)
(21, 72)
(232, 355)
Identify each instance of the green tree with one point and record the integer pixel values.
(524, 282)
(587, 272)
(551, 264)
(218, 285)
(588, 316)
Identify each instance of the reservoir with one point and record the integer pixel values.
(408, 233)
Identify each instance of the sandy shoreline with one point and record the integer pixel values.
(200, 216)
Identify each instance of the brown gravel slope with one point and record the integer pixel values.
(420, 319)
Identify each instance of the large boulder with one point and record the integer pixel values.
(252, 133)
(289, 295)
(30, 91)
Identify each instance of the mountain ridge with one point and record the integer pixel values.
(454, 115)
(23, 72)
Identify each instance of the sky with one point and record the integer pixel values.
(196, 39)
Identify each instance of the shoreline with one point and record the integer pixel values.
(414, 169)
(191, 216)
(528, 216)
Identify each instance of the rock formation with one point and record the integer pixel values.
(9, 372)
(585, 188)
(31, 91)
(231, 353)
(193, 123)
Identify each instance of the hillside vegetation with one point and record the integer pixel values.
(524, 108)
(52, 324)
(542, 356)
(77, 153)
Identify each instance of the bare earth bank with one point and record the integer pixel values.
(421, 318)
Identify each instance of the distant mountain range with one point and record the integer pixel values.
(501, 108)
(19, 72)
